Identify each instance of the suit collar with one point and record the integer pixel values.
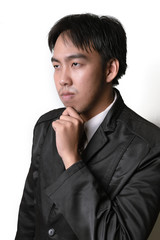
(109, 122)
(108, 125)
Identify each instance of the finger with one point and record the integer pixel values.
(72, 112)
(58, 124)
(69, 111)
(54, 125)
(73, 120)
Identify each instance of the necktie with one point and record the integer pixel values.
(82, 143)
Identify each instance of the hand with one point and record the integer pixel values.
(69, 129)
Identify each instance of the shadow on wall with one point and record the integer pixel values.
(155, 234)
(153, 76)
(152, 93)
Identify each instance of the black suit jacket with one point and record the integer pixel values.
(113, 193)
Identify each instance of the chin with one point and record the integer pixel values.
(76, 108)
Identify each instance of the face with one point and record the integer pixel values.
(79, 78)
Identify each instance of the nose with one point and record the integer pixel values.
(65, 78)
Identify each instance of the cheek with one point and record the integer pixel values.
(56, 82)
(89, 83)
(83, 79)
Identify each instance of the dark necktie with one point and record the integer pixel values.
(82, 143)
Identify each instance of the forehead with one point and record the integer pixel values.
(64, 47)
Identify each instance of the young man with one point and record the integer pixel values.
(111, 189)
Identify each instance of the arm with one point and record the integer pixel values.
(26, 218)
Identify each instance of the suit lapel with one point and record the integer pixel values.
(96, 143)
(100, 155)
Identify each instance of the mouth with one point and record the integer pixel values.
(67, 96)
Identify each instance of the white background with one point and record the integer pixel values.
(26, 79)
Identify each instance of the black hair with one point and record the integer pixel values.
(104, 34)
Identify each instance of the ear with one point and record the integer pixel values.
(112, 70)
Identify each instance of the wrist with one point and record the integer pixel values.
(69, 160)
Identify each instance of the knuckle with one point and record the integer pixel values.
(76, 122)
(53, 124)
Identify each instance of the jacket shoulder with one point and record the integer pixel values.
(50, 116)
(140, 126)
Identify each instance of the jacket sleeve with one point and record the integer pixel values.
(94, 215)
(26, 217)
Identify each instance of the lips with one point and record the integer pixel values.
(67, 96)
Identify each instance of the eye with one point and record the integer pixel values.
(56, 66)
(75, 64)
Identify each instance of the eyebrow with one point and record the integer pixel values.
(79, 55)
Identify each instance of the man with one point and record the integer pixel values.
(107, 186)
